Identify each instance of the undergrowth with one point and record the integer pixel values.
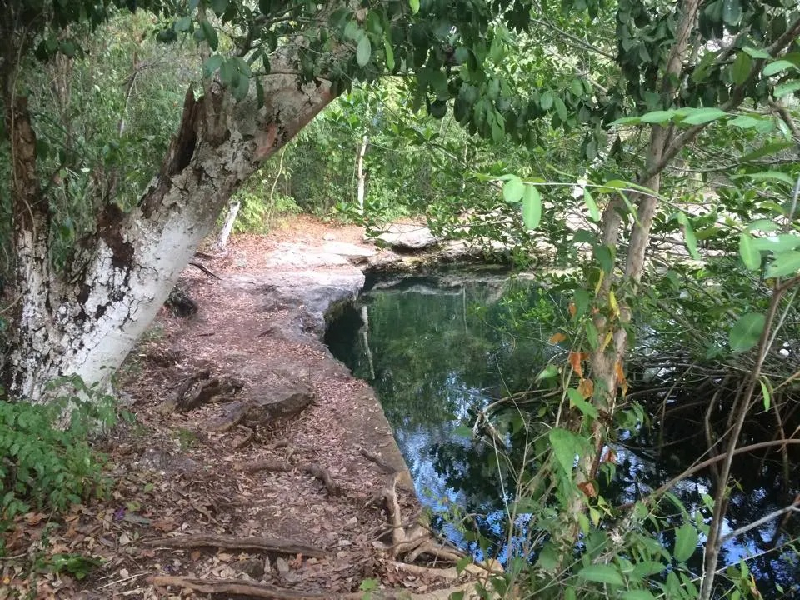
(47, 462)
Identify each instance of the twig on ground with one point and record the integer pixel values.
(314, 469)
(205, 269)
(264, 544)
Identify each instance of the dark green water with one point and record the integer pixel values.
(438, 349)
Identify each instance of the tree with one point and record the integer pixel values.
(281, 66)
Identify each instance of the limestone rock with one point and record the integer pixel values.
(266, 406)
(407, 236)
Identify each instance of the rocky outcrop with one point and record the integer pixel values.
(406, 237)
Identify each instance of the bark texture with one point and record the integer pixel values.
(85, 321)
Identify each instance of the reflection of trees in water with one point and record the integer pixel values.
(437, 359)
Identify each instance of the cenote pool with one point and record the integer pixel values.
(437, 349)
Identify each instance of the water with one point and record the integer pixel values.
(438, 349)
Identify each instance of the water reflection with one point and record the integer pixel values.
(438, 349)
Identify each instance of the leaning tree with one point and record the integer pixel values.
(268, 69)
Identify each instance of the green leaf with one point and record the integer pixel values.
(577, 400)
(219, 6)
(756, 53)
(750, 256)
(363, 51)
(227, 72)
(688, 232)
(685, 542)
(548, 372)
(785, 89)
(183, 24)
(777, 243)
(513, 189)
(605, 257)
(699, 116)
(746, 122)
(765, 393)
(414, 6)
(746, 332)
(561, 108)
(646, 569)
(637, 595)
(601, 574)
(731, 12)
(211, 65)
(594, 212)
(627, 121)
(763, 225)
(785, 263)
(766, 176)
(592, 335)
(658, 116)
(387, 47)
(546, 101)
(566, 446)
(767, 150)
(740, 69)
(548, 559)
(531, 207)
(778, 66)
(210, 34)
(463, 563)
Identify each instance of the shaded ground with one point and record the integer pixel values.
(257, 331)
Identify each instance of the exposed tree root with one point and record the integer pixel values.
(200, 388)
(313, 469)
(376, 458)
(248, 437)
(412, 541)
(240, 588)
(263, 544)
(249, 589)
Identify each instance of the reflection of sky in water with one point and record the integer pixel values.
(422, 438)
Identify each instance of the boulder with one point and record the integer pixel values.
(266, 406)
(407, 236)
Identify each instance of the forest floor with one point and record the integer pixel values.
(256, 465)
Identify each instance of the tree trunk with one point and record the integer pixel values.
(225, 233)
(85, 321)
(361, 178)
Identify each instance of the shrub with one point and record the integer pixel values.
(46, 464)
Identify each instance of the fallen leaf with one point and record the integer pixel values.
(609, 456)
(575, 363)
(588, 488)
(557, 337)
(586, 388)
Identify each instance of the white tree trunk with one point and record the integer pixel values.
(361, 178)
(85, 322)
(230, 219)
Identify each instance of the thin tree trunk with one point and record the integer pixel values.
(360, 190)
(607, 359)
(222, 241)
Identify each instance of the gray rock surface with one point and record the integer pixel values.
(407, 236)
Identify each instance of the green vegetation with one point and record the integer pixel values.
(47, 462)
(654, 144)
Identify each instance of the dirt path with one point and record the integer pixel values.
(245, 428)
